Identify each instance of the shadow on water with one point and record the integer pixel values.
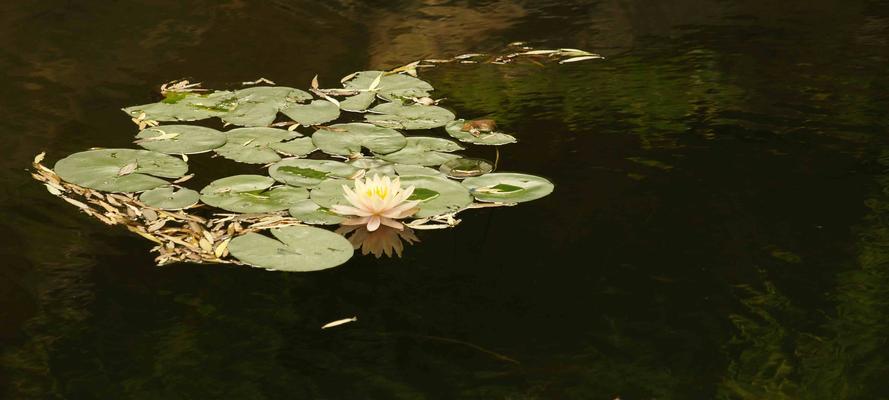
(717, 230)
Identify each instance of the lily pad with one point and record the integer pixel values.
(168, 198)
(391, 87)
(252, 145)
(294, 249)
(414, 116)
(310, 212)
(259, 106)
(120, 170)
(452, 196)
(421, 150)
(315, 113)
(405, 170)
(330, 192)
(247, 194)
(295, 147)
(358, 103)
(466, 167)
(304, 172)
(455, 129)
(348, 139)
(180, 139)
(191, 106)
(508, 187)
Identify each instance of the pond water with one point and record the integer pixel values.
(717, 229)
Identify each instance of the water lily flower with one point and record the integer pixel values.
(377, 201)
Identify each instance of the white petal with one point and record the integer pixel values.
(392, 223)
(373, 223)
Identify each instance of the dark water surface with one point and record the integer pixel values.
(719, 227)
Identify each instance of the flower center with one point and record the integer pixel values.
(379, 191)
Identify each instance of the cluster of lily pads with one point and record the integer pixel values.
(306, 169)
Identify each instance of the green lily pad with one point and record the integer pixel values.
(414, 116)
(180, 139)
(259, 106)
(348, 139)
(190, 106)
(466, 167)
(455, 129)
(508, 187)
(315, 113)
(330, 193)
(295, 147)
(452, 196)
(294, 249)
(359, 102)
(120, 170)
(391, 87)
(247, 194)
(421, 150)
(304, 172)
(252, 145)
(169, 199)
(311, 213)
(406, 169)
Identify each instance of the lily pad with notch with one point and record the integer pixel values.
(426, 151)
(296, 147)
(437, 195)
(186, 106)
(414, 116)
(455, 129)
(167, 198)
(293, 249)
(253, 145)
(305, 172)
(315, 113)
(311, 213)
(180, 139)
(249, 194)
(391, 87)
(259, 106)
(461, 168)
(508, 187)
(358, 103)
(348, 139)
(120, 170)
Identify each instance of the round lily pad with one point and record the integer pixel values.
(186, 106)
(359, 102)
(295, 147)
(437, 195)
(180, 139)
(348, 139)
(258, 106)
(466, 167)
(304, 172)
(168, 198)
(508, 187)
(330, 192)
(414, 116)
(293, 249)
(392, 86)
(120, 170)
(247, 194)
(455, 129)
(311, 213)
(315, 113)
(252, 145)
(421, 150)
(406, 169)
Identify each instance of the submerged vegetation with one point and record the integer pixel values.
(309, 179)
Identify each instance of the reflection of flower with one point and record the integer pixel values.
(381, 241)
(377, 201)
